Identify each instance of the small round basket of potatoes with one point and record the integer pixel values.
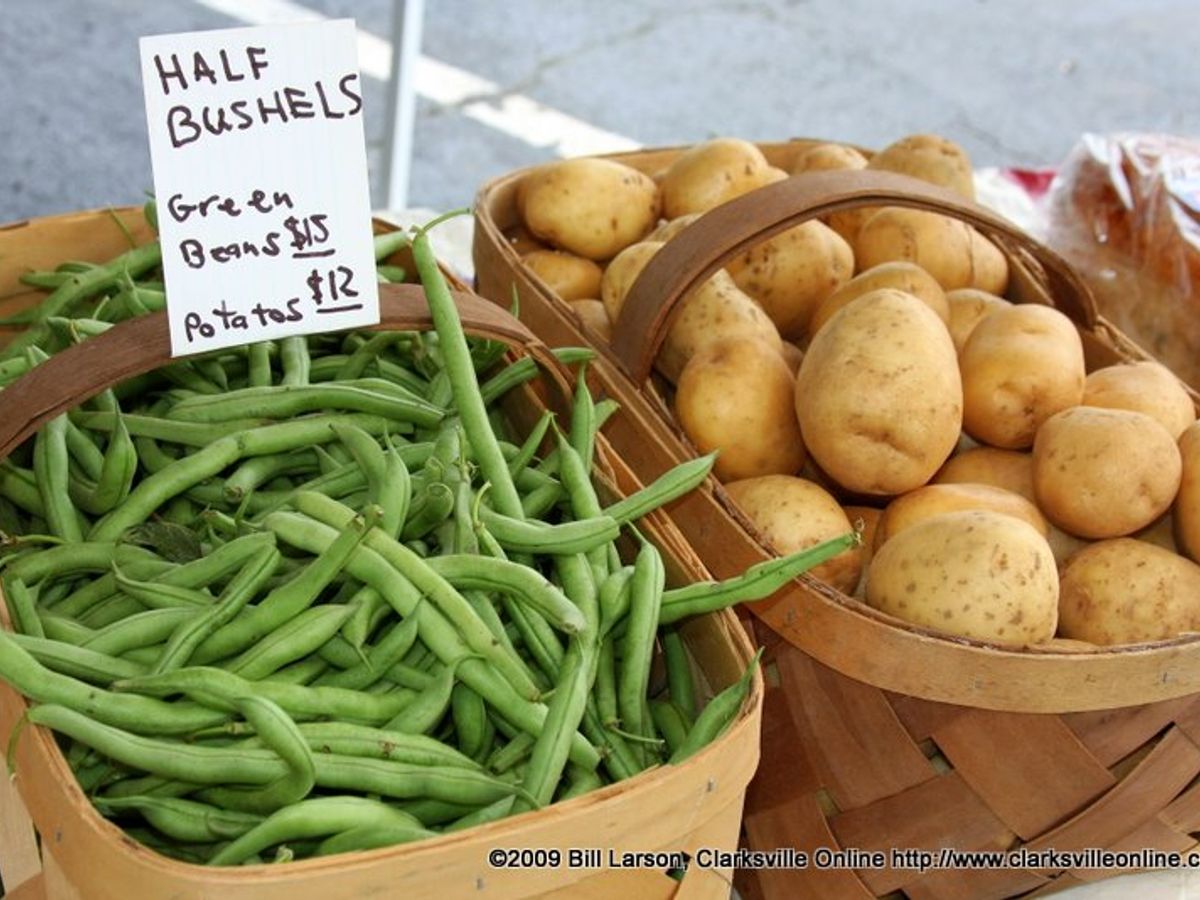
(1011, 658)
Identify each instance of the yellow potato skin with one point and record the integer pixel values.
(938, 244)
(1186, 511)
(793, 514)
(711, 173)
(975, 573)
(621, 272)
(1104, 473)
(899, 275)
(1126, 591)
(593, 314)
(735, 395)
(878, 395)
(827, 157)
(591, 207)
(790, 274)
(967, 307)
(935, 499)
(571, 277)
(1145, 386)
(1011, 470)
(1020, 366)
(669, 228)
(929, 157)
(715, 310)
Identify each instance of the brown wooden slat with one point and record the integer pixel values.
(1187, 720)
(1112, 734)
(1173, 763)
(1183, 813)
(923, 717)
(1030, 770)
(875, 757)
(977, 884)
(1154, 834)
(800, 825)
(944, 812)
(784, 771)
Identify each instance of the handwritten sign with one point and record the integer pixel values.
(260, 173)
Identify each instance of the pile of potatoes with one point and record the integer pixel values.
(866, 371)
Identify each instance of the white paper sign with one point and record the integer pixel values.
(260, 173)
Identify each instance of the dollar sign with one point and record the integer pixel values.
(314, 282)
(299, 239)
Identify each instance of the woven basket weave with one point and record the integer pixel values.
(878, 734)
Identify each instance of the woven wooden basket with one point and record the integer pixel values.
(76, 853)
(879, 734)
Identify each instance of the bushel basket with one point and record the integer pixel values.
(879, 734)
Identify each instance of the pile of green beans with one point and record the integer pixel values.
(312, 596)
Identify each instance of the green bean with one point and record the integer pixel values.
(159, 595)
(40, 684)
(51, 470)
(472, 726)
(143, 629)
(83, 451)
(425, 579)
(436, 632)
(430, 508)
(576, 536)
(511, 754)
(614, 598)
(525, 369)
(521, 582)
(152, 492)
(429, 708)
(79, 287)
(294, 360)
(283, 401)
(389, 243)
(580, 782)
(288, 600)
(280, 734)
(386, 475)
(259, 355)
(670, 722)
(468, 400)
(22, 607)
(115, 479)
(637, 646)
(259, 470)
(371, 349)
(21, 489)
(667, 487)
(380, 658)
(528, 449)
(304, 672)
(493, 812)
(291, 641)
(77, 662)
(679, 671)
(370, 837)
(184, 820)
(352, 820)
(759, 581)
(717, 715)
(191, 434)
(216, 686)
(59, 628)
(540, 501)
(391, 274)
(346, 739)
(185, 640)
(605, 688)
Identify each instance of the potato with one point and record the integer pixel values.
(967, 307)
(591, 207)
(934, 499)
(790, 274)
(1186, 510)
(879, 396)
(594, 315)
(1102, 473)
(522, 241)
(571, 277)
(938, 244)
(1020, 366)
(717, 309)
(901, 276)
(824, 157)
(711, 173)
(1124, 591)
(975, 573)
(620, 274)
(1011, 470)
(735, 395)
(1160, 532)
(793, 514)
(849, 222)
(671, 227)
(989, 266)
(1147, 387)
(792, 356)
(864, 519)
(931, 158)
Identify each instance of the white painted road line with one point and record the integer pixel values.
(515, 115)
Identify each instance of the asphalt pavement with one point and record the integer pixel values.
(1014, 81)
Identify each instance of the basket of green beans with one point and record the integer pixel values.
(380, 606)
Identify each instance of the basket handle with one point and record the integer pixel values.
(143, 343)
(691, 257)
